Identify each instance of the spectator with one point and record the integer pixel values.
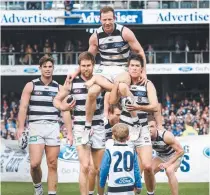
(5, 111)
(3, 54)
(22, 54)
(69, 48)
(28, 57)
(168, 101)
(198, 55)
(189, 130)
(11, 55)
(54, 53)
(47, 48)
(36, 54)
(150, 52)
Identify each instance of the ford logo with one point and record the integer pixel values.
(68, 153)
(30, 70)
(206, 152)
(185, 69)
(121, 44)
(124, 180)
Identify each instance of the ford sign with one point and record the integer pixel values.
(185, 68)
(124, 180)
(30, 70)
(68, 153)
(206, 152)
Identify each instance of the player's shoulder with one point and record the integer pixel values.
(36, 80)
(55, 82)
(168, 137)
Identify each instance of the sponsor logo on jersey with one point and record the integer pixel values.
(30, 70)
(124, 180)
(120, 44)
(185, 68)
(76, 91)
(68, 153)
(104, 46)
(52, 93)
(38, 93)
(206, 152)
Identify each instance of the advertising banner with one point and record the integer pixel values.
(31, 17)
(93, 17)
(15, 163)
(19, 70)
(172, 16)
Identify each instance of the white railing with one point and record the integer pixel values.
(155, 57)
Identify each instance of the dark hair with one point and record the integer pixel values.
(106, 9)
(137, 58)
(45, 59)
(86, 56)
(112, 107)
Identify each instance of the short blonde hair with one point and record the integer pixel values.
(120, 132)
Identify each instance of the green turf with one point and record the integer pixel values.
(11, 188)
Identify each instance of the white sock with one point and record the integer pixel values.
(88, 124)
(91, 192)
(51, 192)
(150, 193)
(38, 186)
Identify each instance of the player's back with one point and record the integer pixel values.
(124, 174)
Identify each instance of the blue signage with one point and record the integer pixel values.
(93, 17)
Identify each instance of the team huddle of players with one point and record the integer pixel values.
(118, 147)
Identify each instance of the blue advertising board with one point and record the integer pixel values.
(93, 17)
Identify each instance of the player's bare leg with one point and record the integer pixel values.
(52, 163)
(36, 152)
(97, 155)
(145, 156)
(106, 104)
(124, 84)
(92, 177)
(84, 159)
(101, 81)
(172, 180)
(90, 105)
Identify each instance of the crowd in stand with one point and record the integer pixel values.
(23, 53)
(185, 117)
(97, 4)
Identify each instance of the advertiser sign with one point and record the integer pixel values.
(172, 16)
(19, 70)
(15, 163)
(93, 17)
(16, 18)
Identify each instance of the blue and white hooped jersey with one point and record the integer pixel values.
(139, 92)
(121, 164)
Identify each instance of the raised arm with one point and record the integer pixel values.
(93, 44)
(24, 103)
(137, 174)
(104, 170)
(134, 44)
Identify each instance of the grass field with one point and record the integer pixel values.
(11, 188)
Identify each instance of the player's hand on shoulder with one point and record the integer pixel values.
(143, 79)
